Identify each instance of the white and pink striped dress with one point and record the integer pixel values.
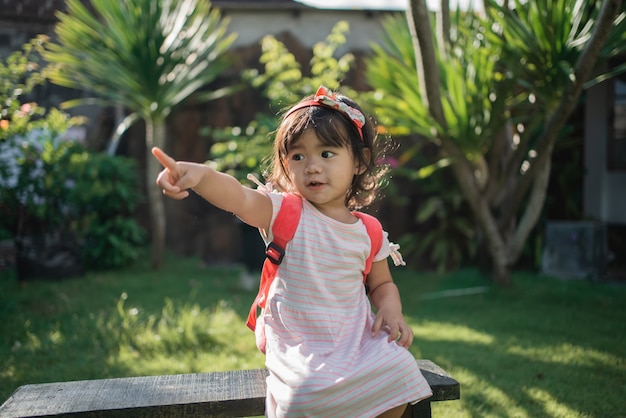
(322, 358)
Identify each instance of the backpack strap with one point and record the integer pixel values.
(283, 230)
(375, 232)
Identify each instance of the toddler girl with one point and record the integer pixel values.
(327, 353)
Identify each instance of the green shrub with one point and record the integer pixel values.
(50, 185)
(33, 182)
(29, 141)
(19, 75)
(105, 196)
(57, 186)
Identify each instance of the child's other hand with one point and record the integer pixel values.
(175, 179)
(393, 323)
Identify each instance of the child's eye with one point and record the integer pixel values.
(297, 157)
(327, 154)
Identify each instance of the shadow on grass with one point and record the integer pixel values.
(543, 348)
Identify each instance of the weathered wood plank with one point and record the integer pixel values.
(236, 393)
(444, 387)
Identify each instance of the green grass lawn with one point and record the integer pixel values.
(542, 348)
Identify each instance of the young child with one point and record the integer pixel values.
(327, 353)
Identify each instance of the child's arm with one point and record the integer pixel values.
(219, 189)
(385, 296)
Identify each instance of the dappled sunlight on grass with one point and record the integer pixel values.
(486, 397)
(183, 338)
(542, 348)
(495, 402)
(436, 331)
(569, 354)
(550, 404)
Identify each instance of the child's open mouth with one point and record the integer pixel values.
(315, 184)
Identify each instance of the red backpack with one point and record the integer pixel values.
(283, 230)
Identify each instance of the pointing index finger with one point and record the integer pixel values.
(165, 160)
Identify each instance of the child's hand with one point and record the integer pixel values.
(177, 177)
(393, 322)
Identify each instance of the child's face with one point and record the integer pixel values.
(322, 174)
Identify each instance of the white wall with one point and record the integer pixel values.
(309, 26)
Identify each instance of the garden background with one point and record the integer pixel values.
(94, 206)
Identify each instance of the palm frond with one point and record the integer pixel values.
(146, 55)
(546, 37)
(468, 81)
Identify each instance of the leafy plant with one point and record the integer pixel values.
(32, 143)
(19, 75)
(104, 193)
(147, 56)
(468, 82)
(57, 186)
(241, 150)
(49, 183)
(493, 94)
(447, 237)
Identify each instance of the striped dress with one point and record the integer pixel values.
(322, 358)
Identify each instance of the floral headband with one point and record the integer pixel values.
(324, 97)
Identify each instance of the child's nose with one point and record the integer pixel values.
(312, 167)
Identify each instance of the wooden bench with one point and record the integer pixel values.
(239, 393)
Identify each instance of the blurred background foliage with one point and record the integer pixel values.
(240, 150)
(51, 185)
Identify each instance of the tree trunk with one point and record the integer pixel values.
(155, 137)
(443, 22)
(463, 172)
(505, 236)
(537, 177)
(500, 273)
(419, 25)
(557, 119)
(532, 211)
(427, 68)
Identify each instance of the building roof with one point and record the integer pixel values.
(258, 4)
(43, 10)
(30, 10)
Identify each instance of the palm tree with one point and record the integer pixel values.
(147, 56)
(494, 93)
